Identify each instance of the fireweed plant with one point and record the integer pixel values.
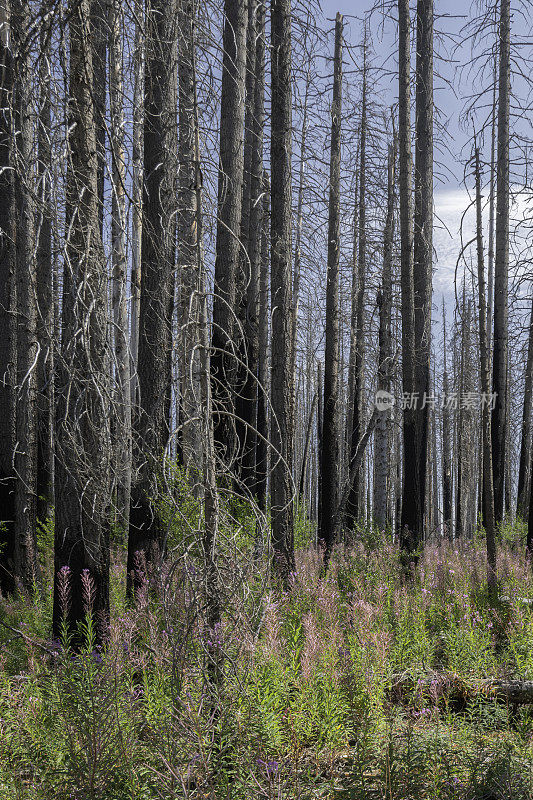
(356, 685)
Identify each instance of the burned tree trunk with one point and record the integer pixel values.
(524, 476)
(189, 267)
(45, 291)
(330, 459)
(500, 412)
(122, 402)
(82, 418)
(355, 505)
(146, 530)
(416, 433)
(282, 377)
(488, 489)
(8, 353)
(382, 434)
(230, 185)
(27, 345)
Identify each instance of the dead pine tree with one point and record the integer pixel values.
(227, 255)
(447, 482)
(27, 344)
(500, 358)
(356, 499)
(524, 475)
(82, 433)
(330, 459)
(282, 377)
(382, 447)
(146, 540)
(188, 264)
(122, 399)
(45, 326)
(7, 306)
(488, 489)
(416, 431)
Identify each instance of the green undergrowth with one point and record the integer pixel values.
(307, 706)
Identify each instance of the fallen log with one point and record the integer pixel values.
(449, 686)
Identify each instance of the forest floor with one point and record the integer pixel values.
(355, 686)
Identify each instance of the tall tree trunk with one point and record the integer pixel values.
(488, 489)
(356, 499)
(27, 345)
(247, 397)
(227, 257)
(407, 540)
(137, 198)
(45, 287)
(282, 377)
(330, 460)
(189, 267)
(147, 535)
(99, 39)
(530, 518)
(524, 478)
(416, 446)
(263, 221)
(82, 416)
(123, 446)
(8, 354)
(246, 288)
(382, 434)
(492, 199)
(501, 268)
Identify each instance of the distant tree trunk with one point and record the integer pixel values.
(330, 430)
(262, 366)
(123, 446)
(447, 483)
(355, 504)
(189, 267)
(45, 289)
(147, 535)
(137, 198)
(27, 345)
(530, 518)
(501, 268)
(488, 489)
(319, 428)
(492, 198)
(98, 41)
(416, 437)
(8, 353)
(82, 418)
(227, 257)
(459, 500)
(281, 290)
(524, 478)
(382, 434)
